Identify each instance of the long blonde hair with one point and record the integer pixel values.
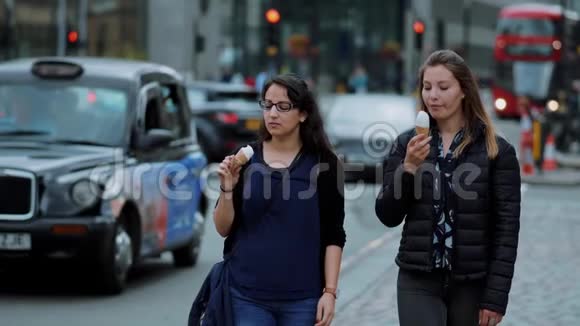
(472, 106)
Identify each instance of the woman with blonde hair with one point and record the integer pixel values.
(458, 191)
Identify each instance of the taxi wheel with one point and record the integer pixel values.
(187, 255)
(118, 262)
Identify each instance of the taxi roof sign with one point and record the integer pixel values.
(56, 69)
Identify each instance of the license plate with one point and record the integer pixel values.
(253, 124)
(15, 241)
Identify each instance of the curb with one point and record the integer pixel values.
(571, 161)
(548, 179)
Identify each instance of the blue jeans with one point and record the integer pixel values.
(250, 312)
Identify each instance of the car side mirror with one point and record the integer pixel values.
(155, 138)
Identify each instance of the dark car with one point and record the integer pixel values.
(199, 92)
(97, 166)
(226, 116)
(362, 128)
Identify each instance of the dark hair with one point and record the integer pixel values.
(312, 134)
(472, 106)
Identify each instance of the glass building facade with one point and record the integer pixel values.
(117, 28)
(322, 39)
(114, 28)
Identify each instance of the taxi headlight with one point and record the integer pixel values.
(85, 193)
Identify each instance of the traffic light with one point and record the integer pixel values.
(418, 30)
(272, 32)
(72, 40)
(199, 43)
(273, 16)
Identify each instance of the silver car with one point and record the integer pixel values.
(362, 128)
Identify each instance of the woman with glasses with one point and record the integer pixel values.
(282, 214)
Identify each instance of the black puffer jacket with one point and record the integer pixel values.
(487, 214)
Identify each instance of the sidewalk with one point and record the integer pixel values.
(568, 160)
(561, 177)
(376, 305)
(546, 284)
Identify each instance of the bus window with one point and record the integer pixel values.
(536, 87)
(526, 27)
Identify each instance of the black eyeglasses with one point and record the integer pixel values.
(280, 106)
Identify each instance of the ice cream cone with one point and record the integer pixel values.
(243, 155)
(422, 123)
(422, 131)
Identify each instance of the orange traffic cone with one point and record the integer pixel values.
(526, 144)
(527, 162)
(550, 163)
(525, 123)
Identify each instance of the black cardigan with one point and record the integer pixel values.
(486, 225)
(330, 187)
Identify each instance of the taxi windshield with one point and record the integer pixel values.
(90, 115)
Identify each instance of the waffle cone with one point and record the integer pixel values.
(422, 130)
(240, 158)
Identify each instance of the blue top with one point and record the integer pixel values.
(276, 254)
(444, 207)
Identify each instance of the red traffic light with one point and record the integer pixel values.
(73, 36)
(419, 27)
(273, 16)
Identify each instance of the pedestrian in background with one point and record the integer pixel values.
(458, 191)
(359, 80)
(261, 79)
(283, 214)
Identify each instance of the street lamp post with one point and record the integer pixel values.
(466, 13)
(83, 16)
(61, 26)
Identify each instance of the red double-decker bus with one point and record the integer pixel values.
(536, 57)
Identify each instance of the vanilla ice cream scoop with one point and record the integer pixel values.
(243, 155)
(422, 123)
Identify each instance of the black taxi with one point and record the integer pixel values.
(99, 165)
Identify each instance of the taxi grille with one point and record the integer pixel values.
(17, 194)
